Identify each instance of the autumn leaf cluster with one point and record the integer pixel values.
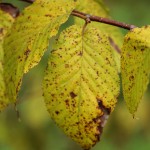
(81, 83)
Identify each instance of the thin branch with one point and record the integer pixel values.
(102, 20)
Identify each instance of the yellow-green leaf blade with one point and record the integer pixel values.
(5, 24)
(81, 84)
(98, 8)
(29, 38)
(135, 66)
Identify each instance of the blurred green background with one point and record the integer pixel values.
(37, 131)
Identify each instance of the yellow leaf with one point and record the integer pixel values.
(5, 24)
(81, 84)
(29, 38)
(135, 66)
(91, 7)
(98, 8)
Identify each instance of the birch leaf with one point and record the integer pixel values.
(135, 66)
(5, 24)
(29, 38)
(114, 34)
(81, 84)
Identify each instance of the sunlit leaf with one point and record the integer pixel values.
(5, 23)
(135, 66)
(114, 34)
(29, 38)
(81, 84)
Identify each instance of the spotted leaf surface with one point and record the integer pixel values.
(81, 84)
(98, 8)
(5, 24)
(135, 66)
(29, 38)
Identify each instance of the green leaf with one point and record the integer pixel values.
(5, 24)
(135, 66)
(81, 84)
(114, 34)
(29, 38)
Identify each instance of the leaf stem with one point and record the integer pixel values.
(102, 20)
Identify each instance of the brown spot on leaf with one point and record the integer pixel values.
(53, 95)
(131, 78)
(128, 39)
(102, 119)
(57, 112)
(80, 53)
(48, 15)
(67, 102)
(102, 107)
(1, 30)
(72, 94)
(27, 52)
(62, 94)
(66, 65)
(18, 86)
(9, 8)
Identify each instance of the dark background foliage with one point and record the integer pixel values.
(37, 131)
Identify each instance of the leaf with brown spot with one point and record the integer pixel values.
(135, 66)
(5, 24)
(90, 85)
(29, 39)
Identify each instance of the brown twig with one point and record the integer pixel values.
(103, 20)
